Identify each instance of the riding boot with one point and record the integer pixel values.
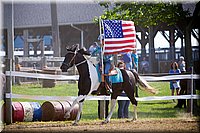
(101, 88)
(108, 88)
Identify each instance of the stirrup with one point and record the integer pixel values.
(103, 85)
(108, 88)
(98, 91)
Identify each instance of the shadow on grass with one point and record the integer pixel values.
(158, 102)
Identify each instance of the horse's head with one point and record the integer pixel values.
(73, 56)
(69, 58)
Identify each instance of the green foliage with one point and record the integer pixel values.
(37, 90)
(144, 14)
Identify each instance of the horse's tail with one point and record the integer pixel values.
(143, 83)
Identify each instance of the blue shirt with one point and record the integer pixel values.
(98, 72)
(135, 57)
(127, 57)
(106, 58)
(94, 51)
(171, 71)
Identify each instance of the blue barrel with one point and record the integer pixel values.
(37, 111)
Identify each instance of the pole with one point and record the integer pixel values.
(81, 33)
(82, 39)
(10, 38)
(8, 92)
(191, 111)
(159, 59)
(102, 50)
(26, 43)
(9, 65)
(55, 29)
(102, 102)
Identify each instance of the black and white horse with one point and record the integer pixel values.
(88, 82)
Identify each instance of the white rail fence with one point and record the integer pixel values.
(9, 95)
(75, 78)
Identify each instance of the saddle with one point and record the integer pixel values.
(104, 87)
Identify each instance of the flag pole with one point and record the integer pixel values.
(102, 104)
(102, 50)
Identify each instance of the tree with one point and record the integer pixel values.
(146, 15)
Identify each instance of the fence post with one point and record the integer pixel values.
(17, 68)
(8, 91)
(42, 48)
(43, 62)
(102, 109)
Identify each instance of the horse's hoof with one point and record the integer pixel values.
(66, 116)
(75, 124)
(134, 119)
(128, 120)
(104, 122)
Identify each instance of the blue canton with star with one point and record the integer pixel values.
(113, 29)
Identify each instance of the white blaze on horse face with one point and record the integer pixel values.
(93, 76)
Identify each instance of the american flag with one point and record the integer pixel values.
(119, 36)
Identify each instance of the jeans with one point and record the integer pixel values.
(123, 106)
(107, 66)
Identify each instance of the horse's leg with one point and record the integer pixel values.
(134, 103)
(134, 112)
(77, 100)
(113, 104)
(128, 88)
(79, 113)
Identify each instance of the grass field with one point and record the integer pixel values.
(153, 109)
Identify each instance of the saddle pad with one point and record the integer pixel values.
(118, 78)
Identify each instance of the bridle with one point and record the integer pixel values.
(73, 59)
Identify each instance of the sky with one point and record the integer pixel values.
(161, 42)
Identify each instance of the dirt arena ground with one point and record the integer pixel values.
(152, 125)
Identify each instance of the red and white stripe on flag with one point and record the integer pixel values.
(119, 36)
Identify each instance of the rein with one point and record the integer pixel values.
(80, 63)
(73, 59)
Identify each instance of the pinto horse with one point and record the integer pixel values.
(88, 82)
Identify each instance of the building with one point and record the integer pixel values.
(35, 18)
(34, 21)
